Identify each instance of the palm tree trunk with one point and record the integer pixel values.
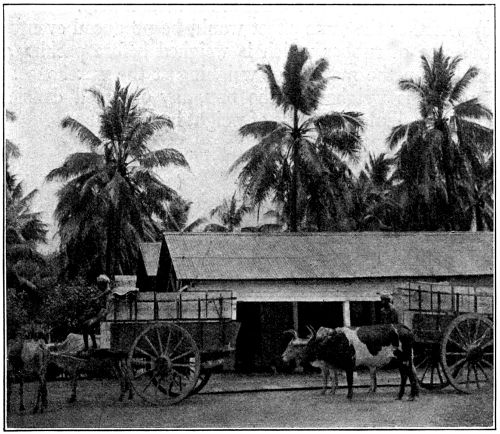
(113, 235)
(110, 243)
(448, 170)
(295, 172)
(479, 217)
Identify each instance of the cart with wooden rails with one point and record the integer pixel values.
(454, 334)
(174, 341)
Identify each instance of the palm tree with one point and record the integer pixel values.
(273, 167)
(177, 217)
(24, 229)
(373, 205)
(111, 192)
(230, 214)
(441, 138)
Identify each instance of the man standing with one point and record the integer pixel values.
(388, 314)
(106, 301)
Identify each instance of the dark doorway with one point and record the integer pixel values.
(261, 340)
(319, 314)
(363, 313)
(248, 342)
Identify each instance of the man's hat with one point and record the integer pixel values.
(103, 278)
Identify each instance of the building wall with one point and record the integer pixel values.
(268, 308)
(324, 290)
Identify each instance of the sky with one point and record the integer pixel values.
(198, 66)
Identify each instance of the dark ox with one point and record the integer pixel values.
(367, 346)
(296, 350)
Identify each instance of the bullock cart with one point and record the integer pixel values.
(174, 340)
(454, 334)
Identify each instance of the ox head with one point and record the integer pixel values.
(296, 348)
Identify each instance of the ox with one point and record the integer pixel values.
(296, 351)
(70, 358)
(367, 346)
(26, 358)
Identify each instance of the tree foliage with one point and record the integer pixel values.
(289, 158)
(112, 198)
(439, 156)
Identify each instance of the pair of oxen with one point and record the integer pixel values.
(348, 349)
(29, 358)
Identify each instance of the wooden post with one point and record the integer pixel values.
(346, 310)
(155, 307)
(419, 298)
(295, 313)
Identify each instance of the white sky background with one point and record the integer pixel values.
(198, 65)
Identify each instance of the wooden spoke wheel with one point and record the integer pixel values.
(164, 364)
(430, 371)
(203, 378)
(467, 352)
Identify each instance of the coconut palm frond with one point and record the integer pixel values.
(378, 168)
(412, 85)
(10, 116)
(463, 83)
(259, 130)
(472, 109)
(77, 164)
(143, 129)
(333, 122)
(163, 158)
(84, 134)
(98, 97)
(316, 84)
(476, 135)
(401, 132)
(292, 79)
(11, 149)
(269, 144)
(195, 224)
(276, 92)
(311, 159)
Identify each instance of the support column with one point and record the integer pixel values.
(346, 310)
(295, 315)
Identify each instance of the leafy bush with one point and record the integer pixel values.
(17, 314)
(67, 306)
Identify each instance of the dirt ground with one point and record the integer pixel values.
(98, 407)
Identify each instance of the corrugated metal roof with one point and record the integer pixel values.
(251, 256)
(151, 257)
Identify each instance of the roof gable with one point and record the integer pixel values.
(249, 256)
(151, 256)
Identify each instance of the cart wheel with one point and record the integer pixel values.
(430, 372)
(203, 378)
(467, 352)
(164, 364)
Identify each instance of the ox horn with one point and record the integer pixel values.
(292, 332)
(312, 332)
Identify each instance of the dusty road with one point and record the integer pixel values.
(98, 407)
